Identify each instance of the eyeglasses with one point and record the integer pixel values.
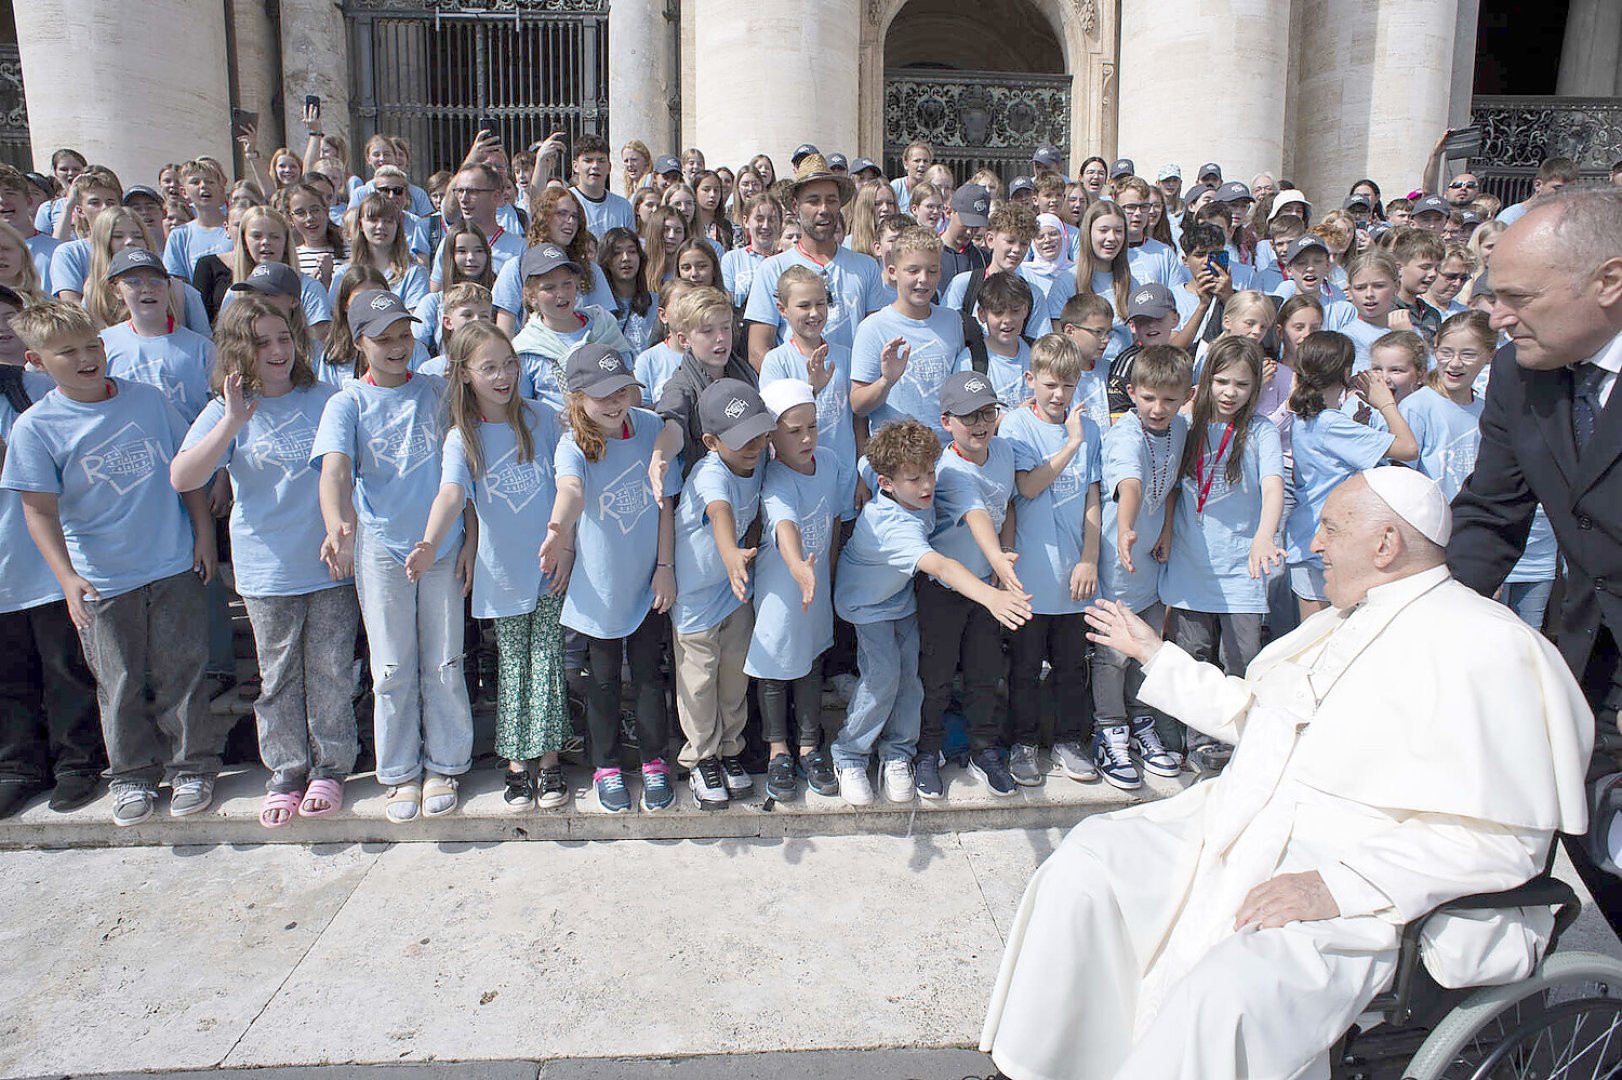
(1469, 356)
(984, 416)
(1454, 277)
(1459, 185)
(1096, 331)
(1134, 208)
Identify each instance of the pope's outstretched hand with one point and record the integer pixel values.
(1114, 624)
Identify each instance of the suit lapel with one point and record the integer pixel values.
(1549, 396)
(1604, 447)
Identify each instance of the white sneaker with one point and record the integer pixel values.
(898, 785)
(854, 787)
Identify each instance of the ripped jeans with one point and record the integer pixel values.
(421, 714)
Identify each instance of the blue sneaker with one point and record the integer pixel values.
(657, 792)
(611, 793)
(1112, 756)
(927, 776)
(987, 764)
(1151, 751)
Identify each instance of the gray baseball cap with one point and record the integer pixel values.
(1210, 168)
(1233, 191)
(1122, 167)
(375, 310)
(141, 191)
(1019, 184)
(1357, 198)
(1300, 246)
(732, 411)
(271, 279)
(862, 164)
(1150, 301)
(543, 259)
(597, 371)
(838, 161)
(134, 258)
(971, 203)
(1049, 156)
(1433, 204)
(804, 150)
(965, 393)
(664, 163)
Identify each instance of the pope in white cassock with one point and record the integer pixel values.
(1410, 745)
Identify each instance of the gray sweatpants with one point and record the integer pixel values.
(153, 636)
(306, 709)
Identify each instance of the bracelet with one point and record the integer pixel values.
(670, 565)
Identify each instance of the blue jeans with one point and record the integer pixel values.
(1529, 600)
(887, 708)
(421, 712)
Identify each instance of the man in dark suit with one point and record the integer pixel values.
(1551, 433)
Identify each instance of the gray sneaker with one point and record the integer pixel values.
(133, 801)
(1074, 761)
(1023, 766)
(193, 794)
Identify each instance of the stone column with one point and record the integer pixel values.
(1589, 57)
(315, 60)
(639, 76)
(1464, 64)
(807, 91)
(1204, 84)
(1373, 92)
(114, 89)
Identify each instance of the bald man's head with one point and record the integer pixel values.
(1365, 543)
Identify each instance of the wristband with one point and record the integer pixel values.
(667, 565)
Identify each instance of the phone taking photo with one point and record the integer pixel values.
(312, 105)
(490, 124)
(1216, 260)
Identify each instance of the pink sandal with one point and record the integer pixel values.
(285, 801)
(324, 790)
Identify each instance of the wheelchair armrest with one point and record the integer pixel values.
(1539, 892)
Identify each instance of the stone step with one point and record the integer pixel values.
(482, 817)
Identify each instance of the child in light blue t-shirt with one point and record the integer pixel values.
(498, 457)
(803, 495)
(612, 541)
(809, 357)
(260, 433)
(1001, 310)
(713, 615)
(90, 459)
(379, 451)
(875, 591)
(147, 346)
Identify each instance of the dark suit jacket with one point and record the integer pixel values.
(1528, 456)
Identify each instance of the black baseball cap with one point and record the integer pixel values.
(1210, 168)
(1150, 301)
(862, 165)
(1048, 156)
(42, 182)
(375, 310)
(804, 150)
(1357, 199)
(1233, 191)
(141, 191)
(1020, 183)
(838, 161)
(543, 259)
(1433, 204)
(1301, 245)
(1192, 195)
(664, 163)
(271, 279)
(1122, 167)
(597, 371)
(972, 203)
(134, 258)
(732, 411)
(965, 393)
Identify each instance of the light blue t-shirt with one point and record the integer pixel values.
(312, 298)
(276, 524)
(1154, 261)
(653, 368)
(738, 268)
(49, 213)
(25, 579)
(1537, 562)
(1092, 394)
(610, 212)
(935, 341)
(514, 502)
(1209, 568)
(179, 363)
(70, 265)
(505, 247)
(1329, 448)
(704, 595)
(616, 542)
(1363, 335)
(1187, 304)
(411, 288)
(1131, 452)
(427, 329)
(854, 291)
(786, 639)
(877, 565)
(1007, 373)
(1448, 435)
(108, 464)
(1048, 530)
(508, 292)
(392, 437)
(638, 329)
(189, 242)
(1512, 213)
(40, 248)
(962, 486)
(836, 424)
(1038, 322)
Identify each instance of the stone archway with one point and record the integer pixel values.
(976, 35)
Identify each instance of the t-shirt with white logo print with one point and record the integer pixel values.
(704, 596)
(936, 342)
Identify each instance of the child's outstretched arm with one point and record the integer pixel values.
(990, 544)
(1012, 609)
(338, 513)
(802, 569)
(664, 566)
(1265, 553)
(665, 448)
(736, 559)
(204, 556)
(448, 503)
(1128, 501)
(557, 550)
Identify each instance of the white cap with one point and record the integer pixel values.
(1287, 198)
(781, 395)
(1415, 498)
(1168, 171)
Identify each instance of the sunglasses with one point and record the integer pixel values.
(1459, 185)
(395, 191)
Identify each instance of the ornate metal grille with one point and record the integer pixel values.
(14, 145)
(975, 119)
(1519, 133)
(431, 69)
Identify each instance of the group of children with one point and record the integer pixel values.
(918, 446)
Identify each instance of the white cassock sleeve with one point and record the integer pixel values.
(1198, 694)
(1430, 859)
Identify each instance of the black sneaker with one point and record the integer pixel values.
(738, 779)
(709, 783)
(551, 791)
(520, 793)
(73, 790)
(818, 772)
(927, 776)
(988, 765)
(780, 782)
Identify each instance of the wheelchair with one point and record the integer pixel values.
(1563, 1022)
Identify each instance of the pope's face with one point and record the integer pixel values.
(1348, 543)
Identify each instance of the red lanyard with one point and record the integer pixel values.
(369, 381)
(800, 247)
(497, 235)
(170, 330)
(1199, 467)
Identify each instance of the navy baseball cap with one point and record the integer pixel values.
(862, 165)
(732, 411)
(597, 371)
(42, 182)
(1049, 156)
(1301, 245)
(1210, 168)
(543, 259)
(838, 161)
(1150, 301)
(141, 191)
(1471, 218)
(271, 279)
(804, 150)
(965, 393)
(375, 310)
(1122, 167)
(134, 258)
(1233, 191)
(972, 205)
(664, 163)
(1192, 195)
(1019, 184)
(1357, 199)
(1433, 204)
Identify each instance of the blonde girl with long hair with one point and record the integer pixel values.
(264, 236)
(636, 162)
(1102, 267)
(116, 229)
(17, 269)
(377, 238)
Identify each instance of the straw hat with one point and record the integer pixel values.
(815, 167)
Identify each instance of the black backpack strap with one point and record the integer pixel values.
(11, 386)
(974, 335)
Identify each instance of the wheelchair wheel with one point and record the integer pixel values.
(1564, 1020)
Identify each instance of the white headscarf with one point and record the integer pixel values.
(1050, 267)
